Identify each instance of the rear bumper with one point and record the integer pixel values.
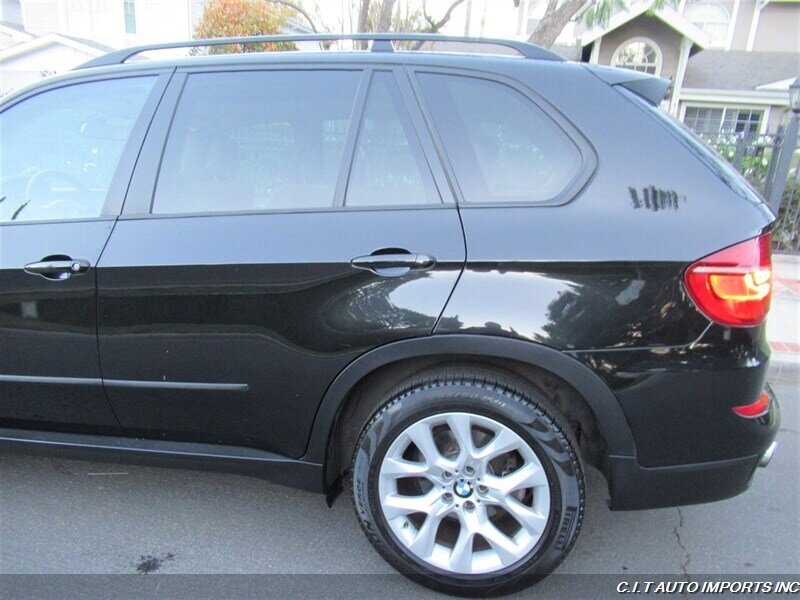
(634, 487)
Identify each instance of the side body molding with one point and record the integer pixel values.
(608, 412)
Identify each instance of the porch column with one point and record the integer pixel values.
(677, 84)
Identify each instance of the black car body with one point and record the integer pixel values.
(232, 319)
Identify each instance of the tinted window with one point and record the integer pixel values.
(719, 165)
(59, 150)
(256, 141)
(389, 167)
(502, 147)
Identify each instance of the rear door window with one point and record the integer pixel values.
(389, 166)
(502, 147)
(257, 140)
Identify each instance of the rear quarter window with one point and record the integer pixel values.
(502, 147)
(705, 154)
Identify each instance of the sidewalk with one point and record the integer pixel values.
(783, 323)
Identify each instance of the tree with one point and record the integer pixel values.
(239, 18)
(560, 12)
(435, 25)
(401, 17)
(296, 7)
(556, 16)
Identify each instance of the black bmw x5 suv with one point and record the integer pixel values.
(443, 282)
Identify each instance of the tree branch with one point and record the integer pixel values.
(435, 26)
(555, 19)
(299, 9)
(385, 15)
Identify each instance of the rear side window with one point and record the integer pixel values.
(707, 155)
(258, 140)
(502, 147)
(59, 150)
(389, 167)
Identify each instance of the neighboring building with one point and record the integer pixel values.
(44, 37)
(730, 61)
(116, 23)
(11, 34)
(37, 57)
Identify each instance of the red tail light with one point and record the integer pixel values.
(756, 409)
(734, 286)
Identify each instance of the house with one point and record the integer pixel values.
(730, 61)
(115, 23)
(11, 34)
(38, 56)
(44, 37)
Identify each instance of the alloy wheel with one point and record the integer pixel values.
(464, 493)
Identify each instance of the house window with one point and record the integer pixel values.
(130, 15)
(711, 17)
(638, 54)
(723, 120)
(742, 120)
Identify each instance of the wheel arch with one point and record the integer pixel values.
(410, 355)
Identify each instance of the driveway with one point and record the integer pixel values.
(72, 517)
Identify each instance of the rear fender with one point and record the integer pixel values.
(608, 412)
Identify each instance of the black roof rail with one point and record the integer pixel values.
(383, 44)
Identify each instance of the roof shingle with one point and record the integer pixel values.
(739, 70)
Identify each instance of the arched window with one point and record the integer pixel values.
(711, 17)
(638, 54)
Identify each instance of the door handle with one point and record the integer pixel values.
(395, 264)
(58, 268)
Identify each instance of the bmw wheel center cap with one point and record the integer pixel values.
(462, 488)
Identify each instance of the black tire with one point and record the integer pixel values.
(508, 400)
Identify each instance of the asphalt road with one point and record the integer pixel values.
(71, 517)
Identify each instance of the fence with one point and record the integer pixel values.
(763, 161)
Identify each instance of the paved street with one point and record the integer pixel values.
(59, 516)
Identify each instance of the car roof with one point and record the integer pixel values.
(382, 43)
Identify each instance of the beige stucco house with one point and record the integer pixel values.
(730, 61)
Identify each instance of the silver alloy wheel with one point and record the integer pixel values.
(464, 493)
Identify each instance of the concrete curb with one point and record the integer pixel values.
(784, 367)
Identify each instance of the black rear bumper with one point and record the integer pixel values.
(634, 487)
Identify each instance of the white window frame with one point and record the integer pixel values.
(762, 127)
(635, 40)
(722, 41)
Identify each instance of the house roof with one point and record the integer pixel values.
(90, 47)
(15, 26)
(739, 70)
(781, 86)
(88, 42)
(667, 14)
(15, 30)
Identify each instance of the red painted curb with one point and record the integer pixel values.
(785, 347)
(792, 284)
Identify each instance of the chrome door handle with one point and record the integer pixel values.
(376, 262)
(58, 269)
